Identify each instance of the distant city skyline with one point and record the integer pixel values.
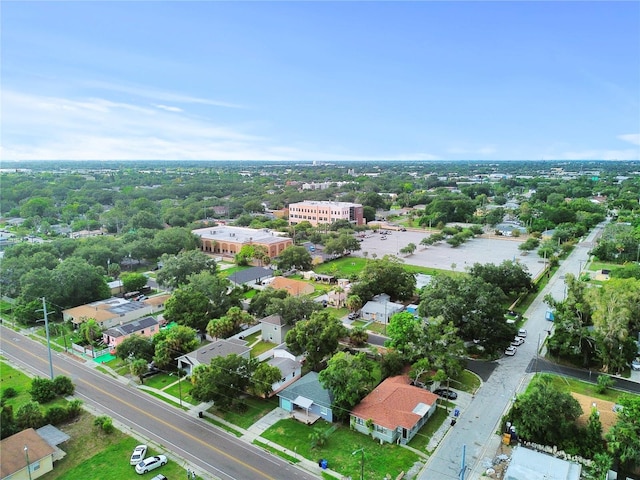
(325, 81)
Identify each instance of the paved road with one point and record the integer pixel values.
(542, 365)
(219, 454)
(477, 425)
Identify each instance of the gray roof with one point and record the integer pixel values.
(52, 435)
(528, 464)
(274, 319)
(309, 387)
(285, 365)
(382, 308)
(222, 233)
(219, 348)
(250, 275)
(131, 327)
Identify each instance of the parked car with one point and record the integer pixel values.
(516, 342)
(151, 463)
(511, 351)
(446, 393)
(522, 333)
(635, 365)
(138, 454)
(159, 477)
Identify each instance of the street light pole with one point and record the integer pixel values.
(26, 454)
(46, 328)
(361, 450)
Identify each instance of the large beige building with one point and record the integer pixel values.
(318, 212)
(227, 241)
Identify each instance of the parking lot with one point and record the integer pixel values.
(443, 256)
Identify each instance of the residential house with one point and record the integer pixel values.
(307, 399)
(395, 411)
(380, 309)
(157, 302)
(219, 348)
(290, 371)
(145, 327)
(253, 275)
(526, 464)
(116, 287)
(274, 329)
(16, 449)
(108, 313)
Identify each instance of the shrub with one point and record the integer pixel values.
(63, 386)
(74, 408)
(42, 390)
(29, 415)
(56, 415)
(9, 392)
(105, 423)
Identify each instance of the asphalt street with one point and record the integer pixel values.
(475, 428)
(220, 455)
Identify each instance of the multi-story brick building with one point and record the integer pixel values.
(318, 212)
(228, 241)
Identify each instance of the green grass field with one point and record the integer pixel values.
(379, 460)
(257, 408)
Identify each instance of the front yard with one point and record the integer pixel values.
(379, 460)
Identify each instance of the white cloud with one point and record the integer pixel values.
(36, 127)
(155, 94)
(168, 108)
(631, 138)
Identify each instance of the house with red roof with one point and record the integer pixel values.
(394, 411)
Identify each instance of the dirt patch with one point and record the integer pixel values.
(607, 416)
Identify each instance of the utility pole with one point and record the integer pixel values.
(46, 328)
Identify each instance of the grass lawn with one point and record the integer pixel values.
(12, 378)
(160, 380)
(377, 327)
(571, 385)
(183, 389)
(250, 294)
(379, 460)
(261, 347)
(421, 440)
(99, 456)
(597, 266)
(257, 408)
(253, 337)
(467, 382)
(342, 267)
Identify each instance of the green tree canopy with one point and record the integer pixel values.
(177, 268)
(349, 378)
(294, 257)
(317, 337)
(546, 415)
(385, 275)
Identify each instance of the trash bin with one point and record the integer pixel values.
(200, 414)
(324, 464)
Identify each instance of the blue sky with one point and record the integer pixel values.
(320, 80)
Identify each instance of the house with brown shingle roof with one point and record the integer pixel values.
(397, 411)
(108, 313)
(295, 288)
(13, 456)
